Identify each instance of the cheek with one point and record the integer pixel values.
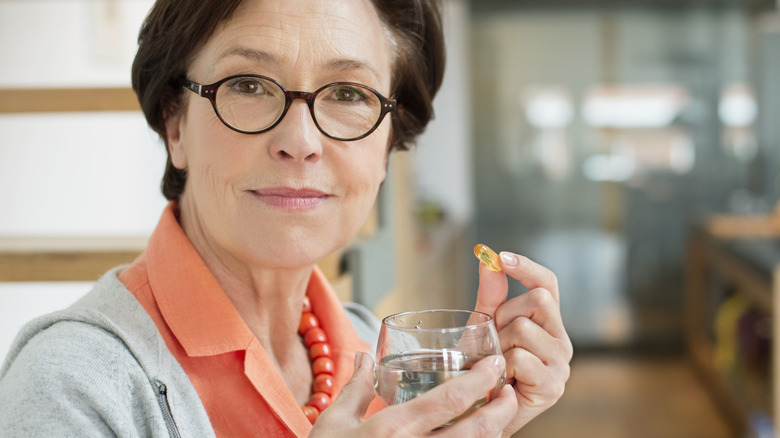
(367, 178)
(213, 179)
(215, 161)
(371, 166)
(185, 134)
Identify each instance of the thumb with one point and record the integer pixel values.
(352, 403)
(492, 292)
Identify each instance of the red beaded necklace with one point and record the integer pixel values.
(322, 364)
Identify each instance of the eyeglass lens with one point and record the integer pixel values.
(253, 104)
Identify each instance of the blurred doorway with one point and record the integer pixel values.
(600, 137)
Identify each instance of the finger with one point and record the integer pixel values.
(453, 398)
(357, 394)
(487, 421)
(539, 306)
(492, 292)
(529, 273)
(536, 385)
(524, 333)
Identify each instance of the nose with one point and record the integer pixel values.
(296, 138)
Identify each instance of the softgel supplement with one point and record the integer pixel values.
(488, 257)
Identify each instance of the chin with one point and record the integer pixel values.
(289, 253)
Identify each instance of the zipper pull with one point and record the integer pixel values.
(162, 400)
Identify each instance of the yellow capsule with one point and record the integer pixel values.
(487, 256)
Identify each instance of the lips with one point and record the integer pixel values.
(290, 198)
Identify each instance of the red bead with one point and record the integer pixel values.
(323, 383)
(323, 365)
(311, 413)
(319, 400)
(320, 349)
(308, 321)
(314, 336)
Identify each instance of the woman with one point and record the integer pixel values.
(211, 330)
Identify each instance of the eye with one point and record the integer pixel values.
(247, 86)
(347, 93)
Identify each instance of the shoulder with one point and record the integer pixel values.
(72, 376)
(96, 369)
(365, 323)
(67, 351)
(90, 337)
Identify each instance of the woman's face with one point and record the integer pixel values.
(287, 197)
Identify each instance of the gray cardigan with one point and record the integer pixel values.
(100, 368)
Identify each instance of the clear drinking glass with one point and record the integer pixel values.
(419, 350)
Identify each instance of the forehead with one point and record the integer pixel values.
(300, 36)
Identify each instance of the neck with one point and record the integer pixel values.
(268, 299)
(269, 302)
(270, 305)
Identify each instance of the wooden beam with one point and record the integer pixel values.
(61, 265)
(48, 258)
(39, 100)
(87, 258)
(752, 284)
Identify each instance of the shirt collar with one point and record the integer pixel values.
(193, 304)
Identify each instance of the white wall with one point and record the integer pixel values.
(74, 174)
(68, 42)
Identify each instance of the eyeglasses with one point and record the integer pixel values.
(252, 104)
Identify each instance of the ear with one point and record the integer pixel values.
(173, 133)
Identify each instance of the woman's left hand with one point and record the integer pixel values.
(530, 329)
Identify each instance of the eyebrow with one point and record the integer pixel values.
(351, 64)
(259, 56)
(263, 57)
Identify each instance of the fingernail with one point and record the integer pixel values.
(509, 259)
(358, 360)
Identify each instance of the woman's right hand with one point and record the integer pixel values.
(418, 417)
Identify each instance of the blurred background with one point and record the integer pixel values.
(632, 147)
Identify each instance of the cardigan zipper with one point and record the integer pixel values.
(162, 399)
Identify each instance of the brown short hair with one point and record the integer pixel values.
(175, 29)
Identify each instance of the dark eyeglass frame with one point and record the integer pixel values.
(387, 105)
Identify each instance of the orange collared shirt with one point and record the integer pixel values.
(241, 389)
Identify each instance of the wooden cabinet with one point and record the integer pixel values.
(733, 279)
